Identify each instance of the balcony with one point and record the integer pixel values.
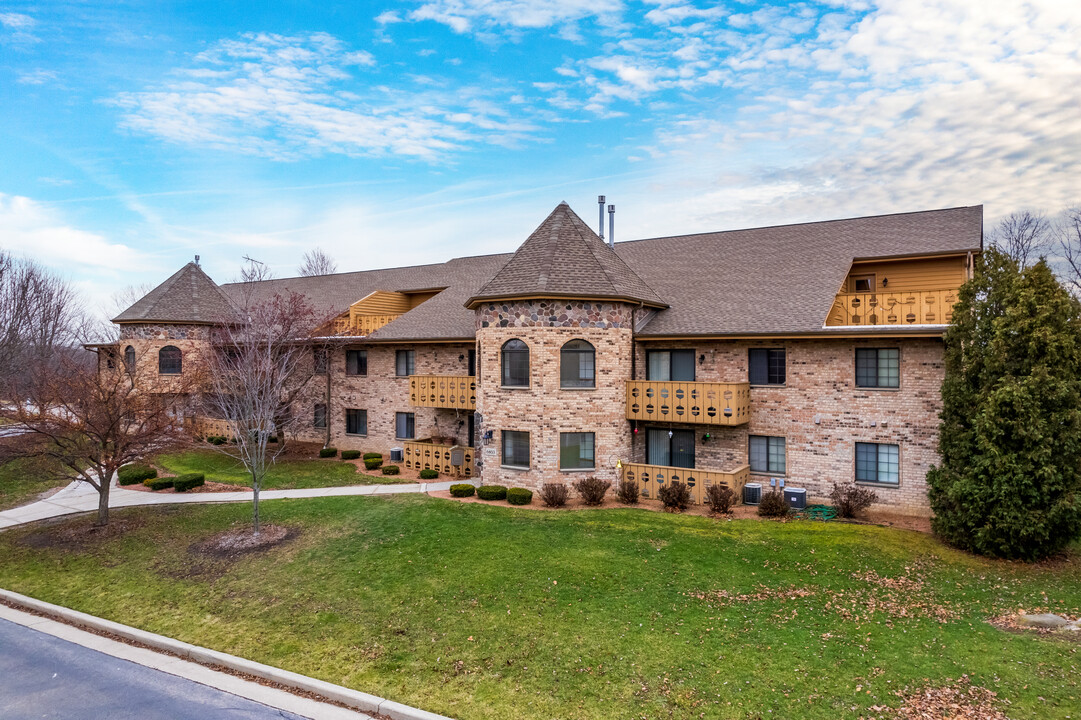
(358, 325)
(454, 460)
(457, 392)
(917, 307)
(652, 477)
(700, 403)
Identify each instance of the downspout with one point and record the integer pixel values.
(329, 414)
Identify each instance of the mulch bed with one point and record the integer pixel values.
(64, 533)
(243, 541)
(1008, 622)
(209, 487)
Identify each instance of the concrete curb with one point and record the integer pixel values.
(336, 693)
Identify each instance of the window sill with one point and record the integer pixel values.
(361, 435)
(885, 486)
(577, 389)
(406, 439)
(515, 387)
(578, 470)
(877, 389)
(519, 468)
(767, 386)
(764, 473)
(352, 375)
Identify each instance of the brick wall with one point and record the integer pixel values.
(544, 409)
(820, 385)
(148, 340)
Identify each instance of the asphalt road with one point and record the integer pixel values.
(45, 677)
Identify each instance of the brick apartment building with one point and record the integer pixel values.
(809, 354)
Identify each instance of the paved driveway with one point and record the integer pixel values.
(44, 677)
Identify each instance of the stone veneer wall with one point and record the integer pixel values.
(382, 394)
(821, 384)
(149, 339)
(544, 409)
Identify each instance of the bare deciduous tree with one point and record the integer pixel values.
(317, 262)
(92, 420)
(1023, 235)
(1069, 246)
(257, 367)
(39, 312)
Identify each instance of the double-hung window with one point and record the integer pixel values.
(319, 361)
(878, 463)
(677, 365)
(356, 362)
(576, 451)
(405, 426)
(766, 454)
(515, 362)
(404, 362)
(577, 368)
(515, 448)
(319, 417)
(878, 367)
(356, 422)
(766, 366)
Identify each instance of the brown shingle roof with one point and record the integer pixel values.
(782, 279)
(563, 257)
(188, 296)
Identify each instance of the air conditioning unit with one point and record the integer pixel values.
(796, 498)
(396, 455)
(752, 493)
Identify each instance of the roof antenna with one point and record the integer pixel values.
(611, 226)
(600, 215)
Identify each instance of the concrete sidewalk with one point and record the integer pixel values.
(79, 497)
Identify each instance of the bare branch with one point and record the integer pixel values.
(1069, 245)
(317, 262)
(1023, 235)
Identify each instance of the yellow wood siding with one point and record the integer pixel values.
(932, 307)
(906, 275)
(702, 403)
(458, 392)
(651, 478)
(421, 455)
(417, 298)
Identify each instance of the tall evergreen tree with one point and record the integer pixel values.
(1010, 438)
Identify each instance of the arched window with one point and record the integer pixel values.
(129, 359)
(577, 367)
(515, 364)
(169, 360)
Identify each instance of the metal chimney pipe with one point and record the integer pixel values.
(600, 215)
(611, 226)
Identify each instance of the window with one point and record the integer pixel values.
(404, 426)
(766, 367)
(677, 365)
(356, 422)
(671, 448)
(169, 360)
(862, 283)
(515, 448)
(766, 454)
(356, 362)
(110, 358)
(129, 359)
(319, 417)
(576, 365)
(576, 451)
(319, 360)
(877, 463)
(405, 362)
(878, 367)
(515, 364)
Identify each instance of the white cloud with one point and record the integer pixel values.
(16, 21)
(36, 77)
(17, 29)
(463, 16)
(290, 97)
(30, 228)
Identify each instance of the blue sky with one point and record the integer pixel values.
(139, 134)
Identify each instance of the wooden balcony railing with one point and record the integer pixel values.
(455, 460)
(702, 403)
(200, 426)
(358, 325)
(457, 392)
(652, 477)
(922, 307)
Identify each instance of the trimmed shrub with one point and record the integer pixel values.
(720, 499)
(675, 496)
(592, 489)
(272, 439)
(851, 499)
(373, 463)
(215, 439)
(135, 474)
(429, 474)
(462, 490)
(519, 496)
(372, 456)
(628, 492)
(773, 504)
(187, 481)
(159, 483)
(391, 470)
(350, 454)
(492, 492)
(328, 452)
(554, 494)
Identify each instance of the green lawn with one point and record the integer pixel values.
(476, 611)
(21, 481)
(284, 474)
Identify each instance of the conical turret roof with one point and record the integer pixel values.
(565, 258)
(189, 295)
